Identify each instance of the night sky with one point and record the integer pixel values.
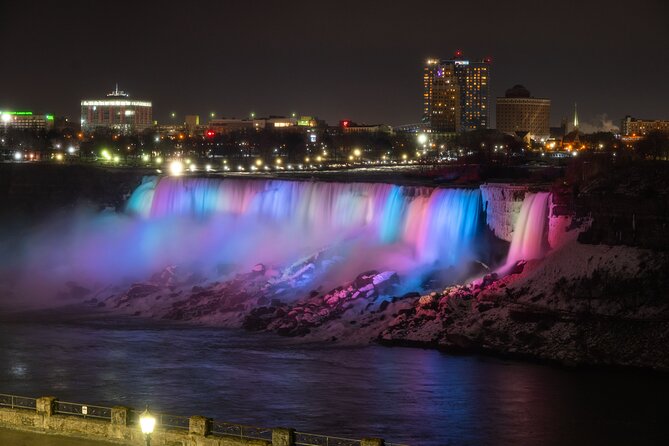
(360, 60)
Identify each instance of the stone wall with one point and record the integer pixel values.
(119, 430)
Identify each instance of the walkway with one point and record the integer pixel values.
(10, 437)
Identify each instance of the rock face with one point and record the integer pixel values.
(502, 203)
(583, 305)
(300, 318)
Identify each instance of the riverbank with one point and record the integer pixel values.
(582, 305)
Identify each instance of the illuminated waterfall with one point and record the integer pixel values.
(210, 227)
(437, 225)
(529, 235)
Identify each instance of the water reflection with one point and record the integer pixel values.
(405, 395)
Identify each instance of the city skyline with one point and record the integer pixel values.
(232, 60)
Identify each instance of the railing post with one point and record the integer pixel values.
(46, 405)
(283, 437)
(119, 415)
(372, 442)
(199, 425)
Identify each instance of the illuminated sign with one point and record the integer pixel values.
(16, 113)
(461, 62)
(118, 103)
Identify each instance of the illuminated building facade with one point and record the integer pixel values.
(117, 112)
(25, 120)
(631, 128)
(518, 112)
(192, 122)
(348, 127)
(462, 82)
(441, 97)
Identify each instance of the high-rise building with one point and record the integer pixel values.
(117, 112)
(470, 93)
(637, 128)
(520, 113)
(192, 122)
(441, 97)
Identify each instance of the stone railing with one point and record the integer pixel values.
(120, 425)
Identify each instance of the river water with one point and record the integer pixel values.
(414, 396)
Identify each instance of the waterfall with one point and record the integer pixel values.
(206, 226)
(529, 235)
(436, 225)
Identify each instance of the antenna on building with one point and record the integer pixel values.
(575, 116)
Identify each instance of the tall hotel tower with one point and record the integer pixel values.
(455, 94)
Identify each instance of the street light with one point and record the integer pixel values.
(147, 422)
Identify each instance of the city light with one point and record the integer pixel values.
(106, 155)
(422, 138)
(18, 156)
(258, 162)
(176, 168)
(159, 160)
(70, 150)
(357, 152)
(59, 157)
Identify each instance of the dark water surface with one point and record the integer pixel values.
(415, 396)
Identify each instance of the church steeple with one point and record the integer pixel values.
(576, 138)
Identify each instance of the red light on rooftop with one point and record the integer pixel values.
(458, 53)
(345, 123)
(488, 59)
(210, 133)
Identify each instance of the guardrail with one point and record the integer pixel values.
(162, 419)
(82, 410)
(305, 439)
(216, 428)
(20, 402)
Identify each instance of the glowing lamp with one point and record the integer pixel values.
(357, 152)
(147, 423)
(176, 167)
(422, 138)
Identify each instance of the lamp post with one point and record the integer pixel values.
(147, 422)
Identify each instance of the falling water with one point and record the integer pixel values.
(434, 224)
(211, 225)
(529, 235)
